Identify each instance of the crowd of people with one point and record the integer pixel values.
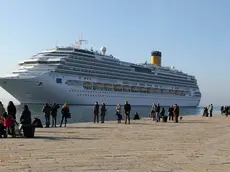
(208, 111)
(10, 126)
(8, 115)
(157, 113)
(51, 111)
(8, 121)
(127, 110)
(225, 110)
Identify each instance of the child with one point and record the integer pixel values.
(8, 123)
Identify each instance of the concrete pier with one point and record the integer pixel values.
(196, 144)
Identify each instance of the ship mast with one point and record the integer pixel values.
(80, 42)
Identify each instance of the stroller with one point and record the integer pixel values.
(17, 131)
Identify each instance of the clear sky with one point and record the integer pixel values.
(193, 35)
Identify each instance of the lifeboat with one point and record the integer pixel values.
(118, 86)
(87, 84)
(135, 88)
(98, 84)
(108, 85)
(126, 86)
(143, 89)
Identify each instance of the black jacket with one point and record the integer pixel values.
(65, 112)
(11, 109)
(54, 110)
(25, 117)
(158, 108)
(127, 107)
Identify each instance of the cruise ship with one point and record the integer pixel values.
(77, 76)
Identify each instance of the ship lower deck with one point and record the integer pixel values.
(37, 91)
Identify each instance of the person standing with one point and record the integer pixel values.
(8, 123)
(226, 110)
(170, 113)
(46, 110)
(103, 112)
(96, 112)
(127, 109)
(118, 113)
(153, 111)
(210, 110)
(176, 112)
(222, 110)
(54, 110)
(11, 110)
(65, 113)
(2, 109)
(158, 113)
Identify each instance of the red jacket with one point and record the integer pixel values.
(9, 121)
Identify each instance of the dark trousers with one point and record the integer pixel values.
(119, 117)
(12, 130)
(96, 118)
(176, 118)
(2, 128)
(127, 117)
(210, 113)
(54, 119)
(47, 117)
(63, 117)
(102, 118)
(170, 117)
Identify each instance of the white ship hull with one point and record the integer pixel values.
(29, 91)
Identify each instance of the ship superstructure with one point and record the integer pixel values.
(82, 77)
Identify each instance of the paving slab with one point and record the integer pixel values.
(195, 144)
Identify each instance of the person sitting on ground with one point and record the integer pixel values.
(37, 123)
(136, 116)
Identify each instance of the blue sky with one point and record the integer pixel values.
(193, 35)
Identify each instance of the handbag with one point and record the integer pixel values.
(69, 115)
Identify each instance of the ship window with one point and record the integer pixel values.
(58, 80)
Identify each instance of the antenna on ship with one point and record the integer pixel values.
(56, 43)
(80, 41)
